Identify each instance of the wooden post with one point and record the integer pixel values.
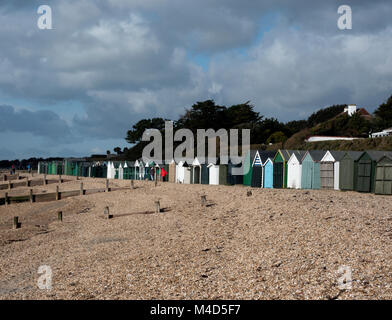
(81, 189)
(60, 180)
(107, 185)
(203, 200)
(157, 207)
(6, 199)
(31, 196)
(9, 185)
(132, 185)
(57, 193)
(60, 216)
(107, 214)
(16, 225)
(156, 182)
(44, 179)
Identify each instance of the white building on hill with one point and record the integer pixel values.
(384, 133)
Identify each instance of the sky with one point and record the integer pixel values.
(76, 89)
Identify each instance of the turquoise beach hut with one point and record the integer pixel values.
(310, 177)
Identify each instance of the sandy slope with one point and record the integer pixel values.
(275, 244)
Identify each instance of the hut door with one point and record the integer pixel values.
(205, 174)
(346, 172)
(278, 174)
(384, 179)
(256, 176)
(196, 175)
(326, 175)
(364, 174)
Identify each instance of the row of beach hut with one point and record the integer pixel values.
(363, 171)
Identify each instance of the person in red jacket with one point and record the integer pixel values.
(163, 174)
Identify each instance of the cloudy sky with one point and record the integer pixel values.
(76, 89)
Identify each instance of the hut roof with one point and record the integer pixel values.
(316, 155)
(337, 155)
(265, 154)
(300, 154)
(286, 154)
(377, 155)
(185, 164)
(355, 155)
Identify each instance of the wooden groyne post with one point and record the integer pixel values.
(31, 196)
(107, 214)
(16, 224)
(157, 206)
(203, 199)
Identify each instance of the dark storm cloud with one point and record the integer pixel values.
(42, 123)
(126, 60)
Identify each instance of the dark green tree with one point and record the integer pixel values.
(135, 135)
(325, 114)
(384, 115)
(203, 115)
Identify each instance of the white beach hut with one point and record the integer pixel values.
(214, 173)
(179, 172)
(111, 170)
(139, 167)
(329, 169)
(294, 169)
(183, 173)
(120, 172)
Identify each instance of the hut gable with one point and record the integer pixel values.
(196, 162)
(314, 155)
(353, 155)
(296, 157)
(257, 160)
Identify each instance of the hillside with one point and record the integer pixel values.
(383, 144)
(341, 125)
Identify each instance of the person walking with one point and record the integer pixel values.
(152, 174)
(163, 174)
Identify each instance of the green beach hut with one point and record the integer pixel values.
(348, 169)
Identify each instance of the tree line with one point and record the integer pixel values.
(207, 114)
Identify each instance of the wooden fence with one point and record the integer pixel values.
(29, 183)
(53, 196)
